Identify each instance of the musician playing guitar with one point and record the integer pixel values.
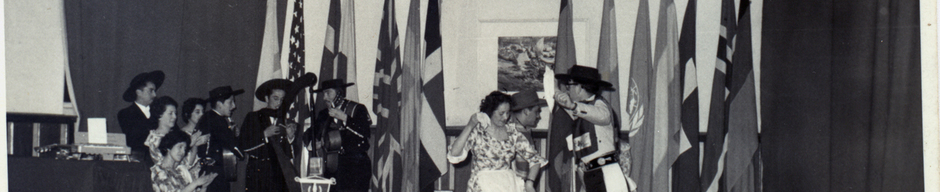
(260, 132)
(351, 120)
(218, 123)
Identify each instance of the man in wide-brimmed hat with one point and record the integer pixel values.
(219, 125)
(526, 113)
(591, 128)
(134, 120)
(352, 121)
(260, 131)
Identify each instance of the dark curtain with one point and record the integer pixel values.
(200, 45)
(841, 96)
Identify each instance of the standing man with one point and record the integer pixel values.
(593, 136)
(260, 133)
(218, 123)
(526, 111)
(134, 120)
(352, 121)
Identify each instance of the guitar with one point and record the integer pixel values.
(229, 161)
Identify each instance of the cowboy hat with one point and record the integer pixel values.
(268, 86)
(582, 74)
(223, 92)
(333, 84)
(155, 77)
(526, 99)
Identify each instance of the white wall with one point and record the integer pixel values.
(36, 56)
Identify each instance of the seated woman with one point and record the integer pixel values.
(164, 113)
(169, 174)
(494, 144)
(193, 109)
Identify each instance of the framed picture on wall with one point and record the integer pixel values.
(523, 60)
(519, 54)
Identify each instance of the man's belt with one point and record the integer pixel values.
(601, 161)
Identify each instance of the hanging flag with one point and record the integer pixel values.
(607, 65)
(411, 99)
(387, 155)
(300, 110)
(741, 173)
(715, 145)
(685, 170)
(268, 66)
(339, 49)
(639, 107)
(564, 47)
(433, 157)
(560, 173)
(667, 97)
(607, 59)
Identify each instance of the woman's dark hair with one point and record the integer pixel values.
(159, 106)
(190, 105)
(492, 101)
(175, 136)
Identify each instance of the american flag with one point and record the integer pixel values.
(300, 110)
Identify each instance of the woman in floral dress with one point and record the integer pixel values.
(169, 174)
(494, 145)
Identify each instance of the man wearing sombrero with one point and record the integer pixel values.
(218, 124)
(592, 130)
(352, 121)
(260, 131)
(134, 120)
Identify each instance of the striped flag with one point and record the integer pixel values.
(685, 170)
(639, 100)
(433, 161)
(268, 66)
(300, 110)
(667, 98)
(339, 49)
(743, 157)
(387, 157)
(715, 145)
(560, 173)
(411, 98)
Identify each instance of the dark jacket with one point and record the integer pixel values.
(222, 137)
(252, 141)
(136, 127)
(264, 171)
(358, 120)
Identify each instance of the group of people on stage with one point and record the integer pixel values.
(504, 157)
(188, 157)
(193, 156)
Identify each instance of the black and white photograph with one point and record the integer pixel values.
(470, 96)
(523, 60)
